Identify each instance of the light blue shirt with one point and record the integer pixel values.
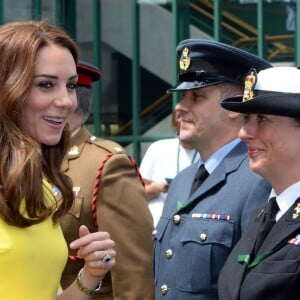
(215, 159)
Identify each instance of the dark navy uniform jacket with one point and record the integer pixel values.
(277, 276)
(196, 234)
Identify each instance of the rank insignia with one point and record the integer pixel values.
(296, 211)
(74, 151)
(185, 59)
(250, 82)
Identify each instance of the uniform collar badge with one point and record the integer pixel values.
(250, 82)
(76, 190)
(185, 59)
(74, 151)
(296, 211)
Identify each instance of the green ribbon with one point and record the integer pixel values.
(245, 258)
(179, 205)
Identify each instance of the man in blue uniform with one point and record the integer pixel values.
(270, 269)
(199, 226)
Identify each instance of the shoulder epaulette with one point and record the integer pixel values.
(109, 146)
(112, 148)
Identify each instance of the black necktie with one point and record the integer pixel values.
(268, 219)
(200, 176)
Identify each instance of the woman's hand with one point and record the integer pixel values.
(93, 247)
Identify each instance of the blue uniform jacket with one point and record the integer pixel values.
(277, 276)
(195, 234)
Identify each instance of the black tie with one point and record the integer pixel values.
(200, 176)
(268, 219)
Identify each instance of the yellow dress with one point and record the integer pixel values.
(32, 259)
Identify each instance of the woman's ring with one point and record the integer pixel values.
(106, 258)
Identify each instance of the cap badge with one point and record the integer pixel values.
(250, 82)
(185, 59)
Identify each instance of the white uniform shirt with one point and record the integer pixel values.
(164, 159)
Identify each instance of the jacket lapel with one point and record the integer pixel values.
(284, 229)
(228, 165)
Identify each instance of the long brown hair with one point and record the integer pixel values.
(24, 162)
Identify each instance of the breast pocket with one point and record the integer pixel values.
(286, 260)
(205, 245)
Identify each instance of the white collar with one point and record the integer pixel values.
(286, 198)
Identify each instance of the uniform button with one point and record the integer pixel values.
(154, 232)
(164, 289)
(176, 219)
(169, 253)
(203, 237)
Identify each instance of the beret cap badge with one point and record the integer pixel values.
(185, 59)
(250, 82)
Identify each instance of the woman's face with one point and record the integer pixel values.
(52, 97)
(273, 147)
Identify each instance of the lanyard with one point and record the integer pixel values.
(178, 157)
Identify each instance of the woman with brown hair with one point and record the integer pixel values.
(38, 81)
